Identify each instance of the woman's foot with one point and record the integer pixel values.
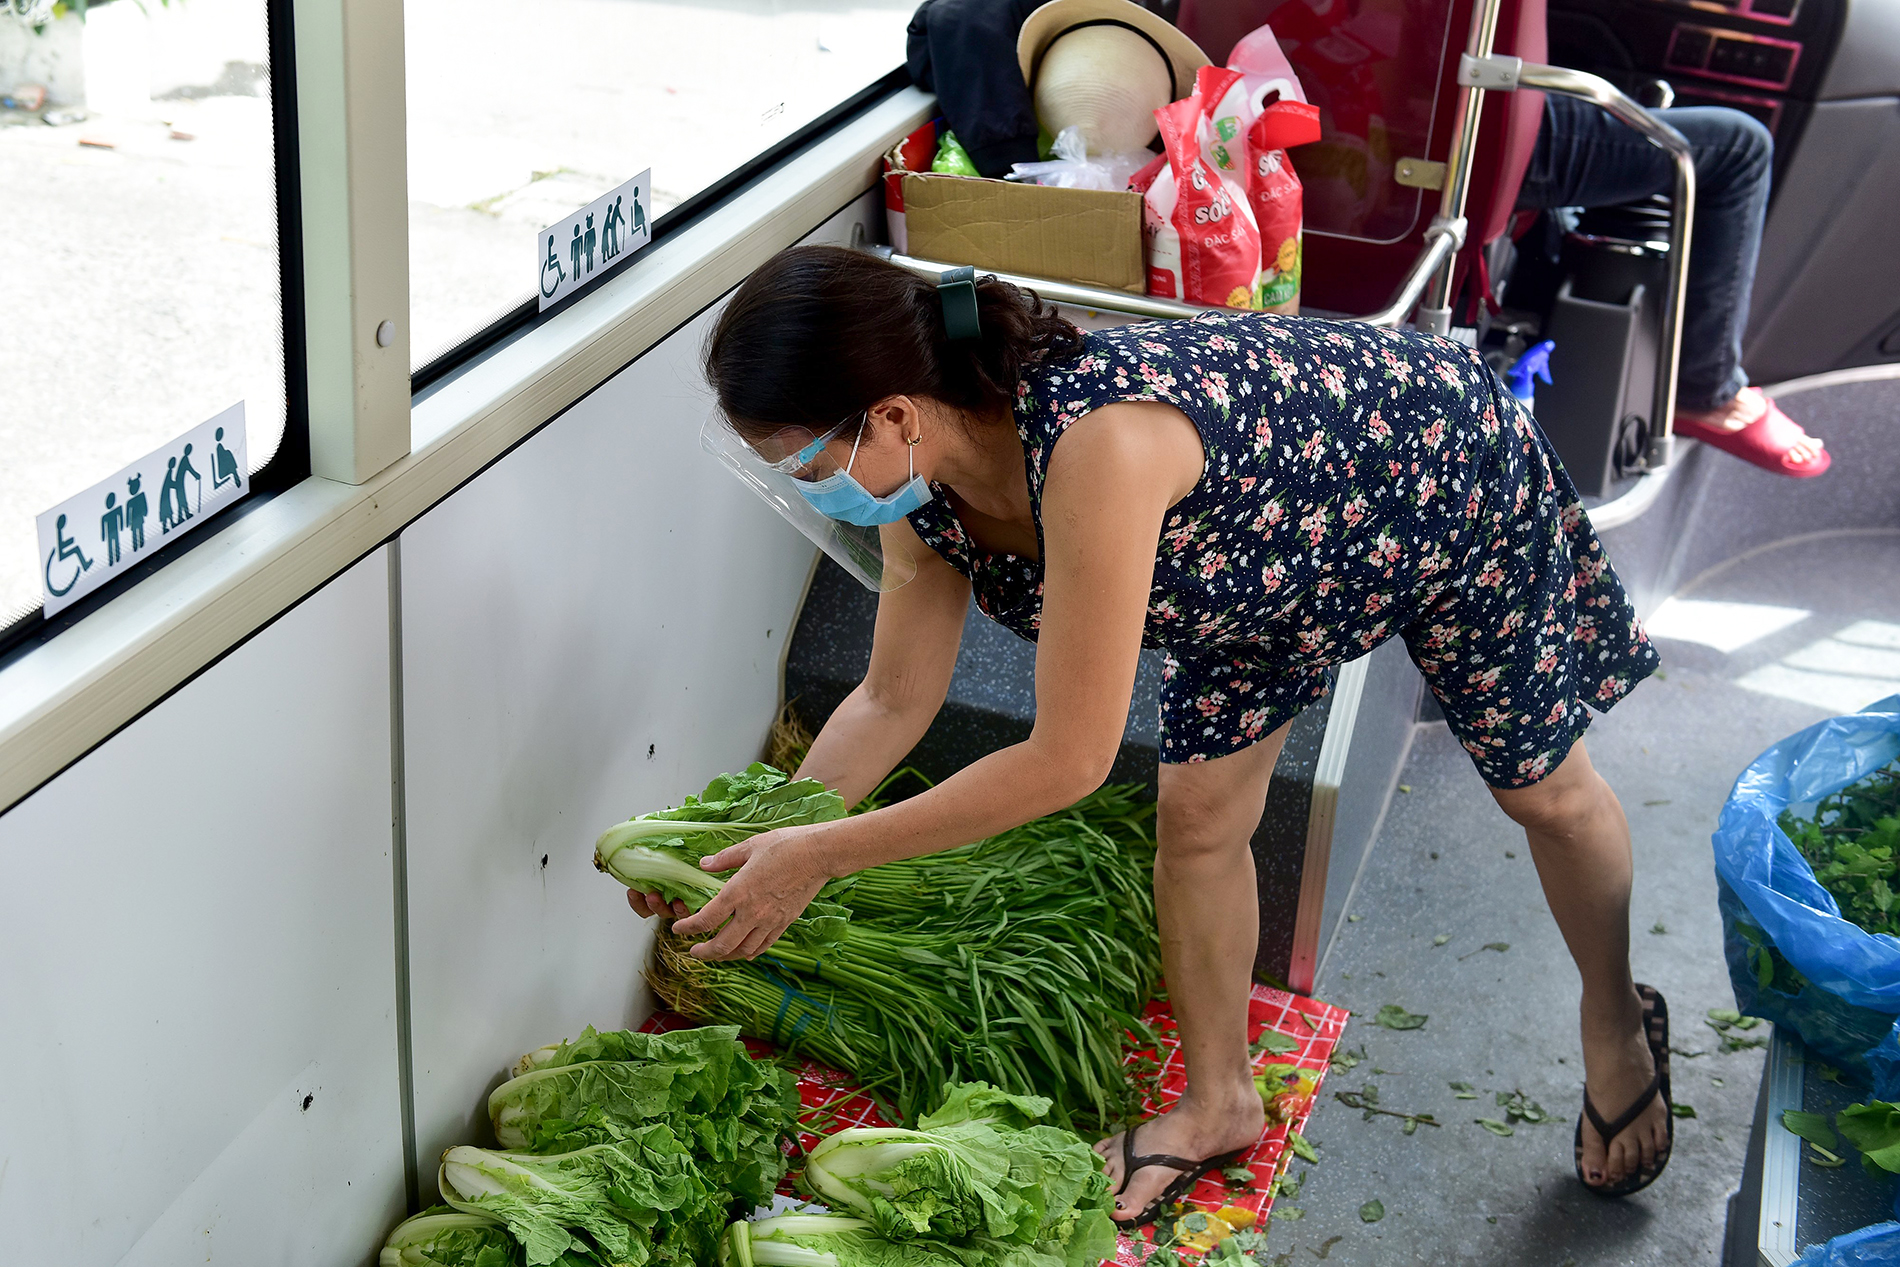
(1617, 1069)
(1193, 1128)
(1749, 406)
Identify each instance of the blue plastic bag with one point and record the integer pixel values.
(1843, 995)
(1876, 1246)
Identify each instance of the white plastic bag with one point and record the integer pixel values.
(1072, 168)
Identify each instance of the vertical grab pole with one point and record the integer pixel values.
(1434, 310)
(1602, 93)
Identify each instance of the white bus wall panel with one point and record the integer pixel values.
(592, 628)
(199, 1006)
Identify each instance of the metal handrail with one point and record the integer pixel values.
(1599, 91)
(1434, 311)
(1441, 242)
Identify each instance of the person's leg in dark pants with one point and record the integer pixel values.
(1585, 158)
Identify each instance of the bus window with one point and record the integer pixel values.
(519, 115)
(140, 287)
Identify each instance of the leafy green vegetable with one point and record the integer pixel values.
(835, 1240)
(979, 1166)
(1274, 1043)
(661, 852)
(1302, 1147)
(637, 1201)
(441, 1237)
(730, 1109)
(1494, 1126)
(1392, 1016)
(1520, 1108)
(1874, 1128)
(1853, 844)
(1372, 1211)
(1023, 961)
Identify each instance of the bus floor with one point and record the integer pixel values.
(1767, 645)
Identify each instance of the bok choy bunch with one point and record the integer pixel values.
(728, 1109)
(660, 852)
(840, 1240)
(441, 1237)
(627, 1204)
(980, 1166)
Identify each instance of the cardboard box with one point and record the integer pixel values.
(1077, 235)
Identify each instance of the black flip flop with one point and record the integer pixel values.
(1191, 1174)
(1656, 1034)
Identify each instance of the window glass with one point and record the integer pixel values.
(521, 114)
(139, 283)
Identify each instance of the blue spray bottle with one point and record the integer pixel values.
(1534, 363)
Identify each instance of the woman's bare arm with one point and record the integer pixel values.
(913, 652)
(1111, 482)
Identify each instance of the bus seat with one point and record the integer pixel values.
(1384, 97)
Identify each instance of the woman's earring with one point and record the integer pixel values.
(916, 440)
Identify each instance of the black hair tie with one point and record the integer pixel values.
(956, 289)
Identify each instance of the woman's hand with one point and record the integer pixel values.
(776, 881)
(652, 904)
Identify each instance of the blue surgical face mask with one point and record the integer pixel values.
(841, 497)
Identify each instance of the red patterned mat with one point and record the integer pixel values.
(832, 1103)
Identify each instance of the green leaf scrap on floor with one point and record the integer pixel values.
(1727, 1022)
(1821, 1157)
(1682, 1110)
(1392, 1016)
(1301, 1148)
(1441, 939)
(1874, 1128)
(1813, 1127)
(1372, 1211)
(1342, 1060)
(1367, 1101)
(1499, 946)
(1273, 1043)
(1657, 929)
(1462, 1091)
(1520, 1108)
(1494, 1126)
(1288, 1185)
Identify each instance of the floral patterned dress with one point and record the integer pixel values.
(1360, 484)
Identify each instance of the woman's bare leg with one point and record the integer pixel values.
(1581, 843)
(1208, 908)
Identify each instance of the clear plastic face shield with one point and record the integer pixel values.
(776, 468)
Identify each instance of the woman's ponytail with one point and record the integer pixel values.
(819, 333)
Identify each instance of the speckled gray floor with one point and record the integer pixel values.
(1503, 1021)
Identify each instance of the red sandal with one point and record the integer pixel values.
(1764, 442)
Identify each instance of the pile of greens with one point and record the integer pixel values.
(1873, 1128)
(982, 1165)
(618, 1150)
(727, 1108)
(1853, 844)
(980, 1182)
(1023, 960)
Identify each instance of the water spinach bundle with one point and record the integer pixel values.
(1023, 960)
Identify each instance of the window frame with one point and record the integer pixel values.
(290, 463)
(528, 314)
(62, 697)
